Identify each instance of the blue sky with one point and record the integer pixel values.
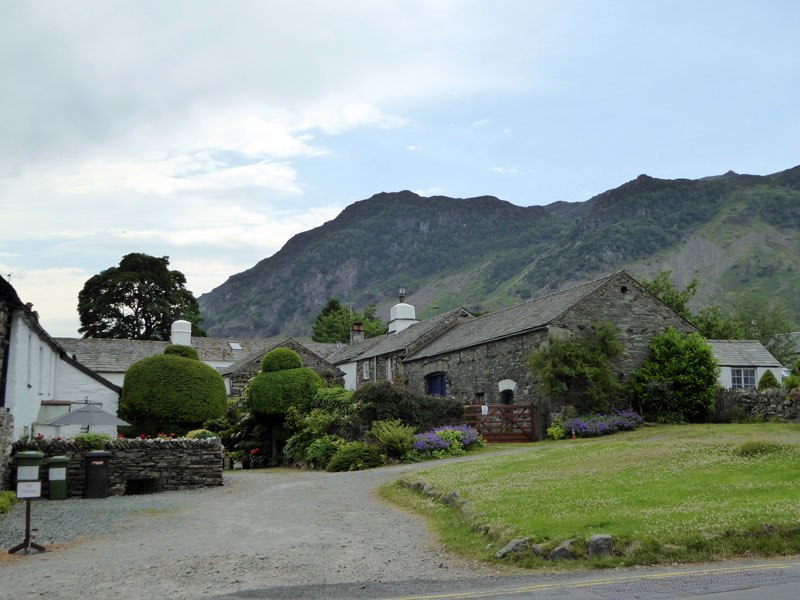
(212, 132)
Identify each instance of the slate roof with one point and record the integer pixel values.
(115, 356)
(389, 342)
(528, 316)
(323, 350)
(742, 353)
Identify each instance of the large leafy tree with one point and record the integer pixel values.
(139, 299)
(749, 318)
(334, 321)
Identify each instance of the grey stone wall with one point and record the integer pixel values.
(6, 433)
(162, 464)
(473, 374)
(777, 404)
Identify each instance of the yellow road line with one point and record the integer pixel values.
(604, 581)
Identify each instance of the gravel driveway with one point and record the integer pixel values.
(261, 529)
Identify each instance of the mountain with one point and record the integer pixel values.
(738, 234)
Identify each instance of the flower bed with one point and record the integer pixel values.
(441, 442)
(595, 425)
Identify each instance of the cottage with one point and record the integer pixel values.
(40, 381)
(743, 363)
(484, 360)
(233, 358)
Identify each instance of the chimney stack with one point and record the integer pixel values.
(357, 333)
(402, 295)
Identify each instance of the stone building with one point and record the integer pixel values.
(484, 360)
(239, 374)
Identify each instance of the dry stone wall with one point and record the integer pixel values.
(771, 405)
(136, 466)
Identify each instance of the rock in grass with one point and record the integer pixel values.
(563, 551)
(515, 545)
(600, 545)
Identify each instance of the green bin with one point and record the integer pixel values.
(28, 465)
(57, 476)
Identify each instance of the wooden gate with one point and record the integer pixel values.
(502, 422)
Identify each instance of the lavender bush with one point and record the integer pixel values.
(449, 440)
(596, 425)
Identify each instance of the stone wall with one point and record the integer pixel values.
(6, 431)
(777, 404)
(136, 466)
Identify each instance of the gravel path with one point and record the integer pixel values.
(261, 529)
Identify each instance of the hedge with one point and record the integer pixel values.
(171, 394)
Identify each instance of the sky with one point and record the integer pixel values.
(211, 132)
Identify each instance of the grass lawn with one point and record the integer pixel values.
(692, 492)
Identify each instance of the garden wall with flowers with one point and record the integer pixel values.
(137, 465)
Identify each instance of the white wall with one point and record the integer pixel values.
(349, 370)
(726, 375)
(31, 374)
(36, 373)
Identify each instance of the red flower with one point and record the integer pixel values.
(142, 436)
(172, 434)
(120, 436)
(254, 450)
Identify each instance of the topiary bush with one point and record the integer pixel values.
(355, 456)
(273, 392)
(180, 350)
(280, 359)
(171, 393)
(768, 382)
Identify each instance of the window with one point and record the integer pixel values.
(436, 384)
(743, 379)
(235, 346)
(365, 370)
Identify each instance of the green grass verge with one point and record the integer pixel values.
(669, 493)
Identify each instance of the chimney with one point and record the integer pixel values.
(402, 295)
(357, 333)
(181, 333)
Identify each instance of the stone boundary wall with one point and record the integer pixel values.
(135, 466)
(6, 434)
(773, 404)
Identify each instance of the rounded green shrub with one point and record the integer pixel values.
(792, 382)
(170, 393)
(272, 393)
(7, 501)
(280, 359)
(180, 350)
(200, 434)
(355, 456)
(768, 382)
(95, 441)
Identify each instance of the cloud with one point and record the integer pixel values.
(54, 294)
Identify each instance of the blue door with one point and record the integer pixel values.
(437, 386)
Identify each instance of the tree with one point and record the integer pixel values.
(139, 299)
(750, 317)
(170, 393)
(679, 379)
(579, 370)
(662, 287)
(334, 321)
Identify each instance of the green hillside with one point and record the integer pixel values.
(739, 234)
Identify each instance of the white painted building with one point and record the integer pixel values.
(40, 381)
(743, 363)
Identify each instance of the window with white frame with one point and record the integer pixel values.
(743, 379)
(365, 370)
